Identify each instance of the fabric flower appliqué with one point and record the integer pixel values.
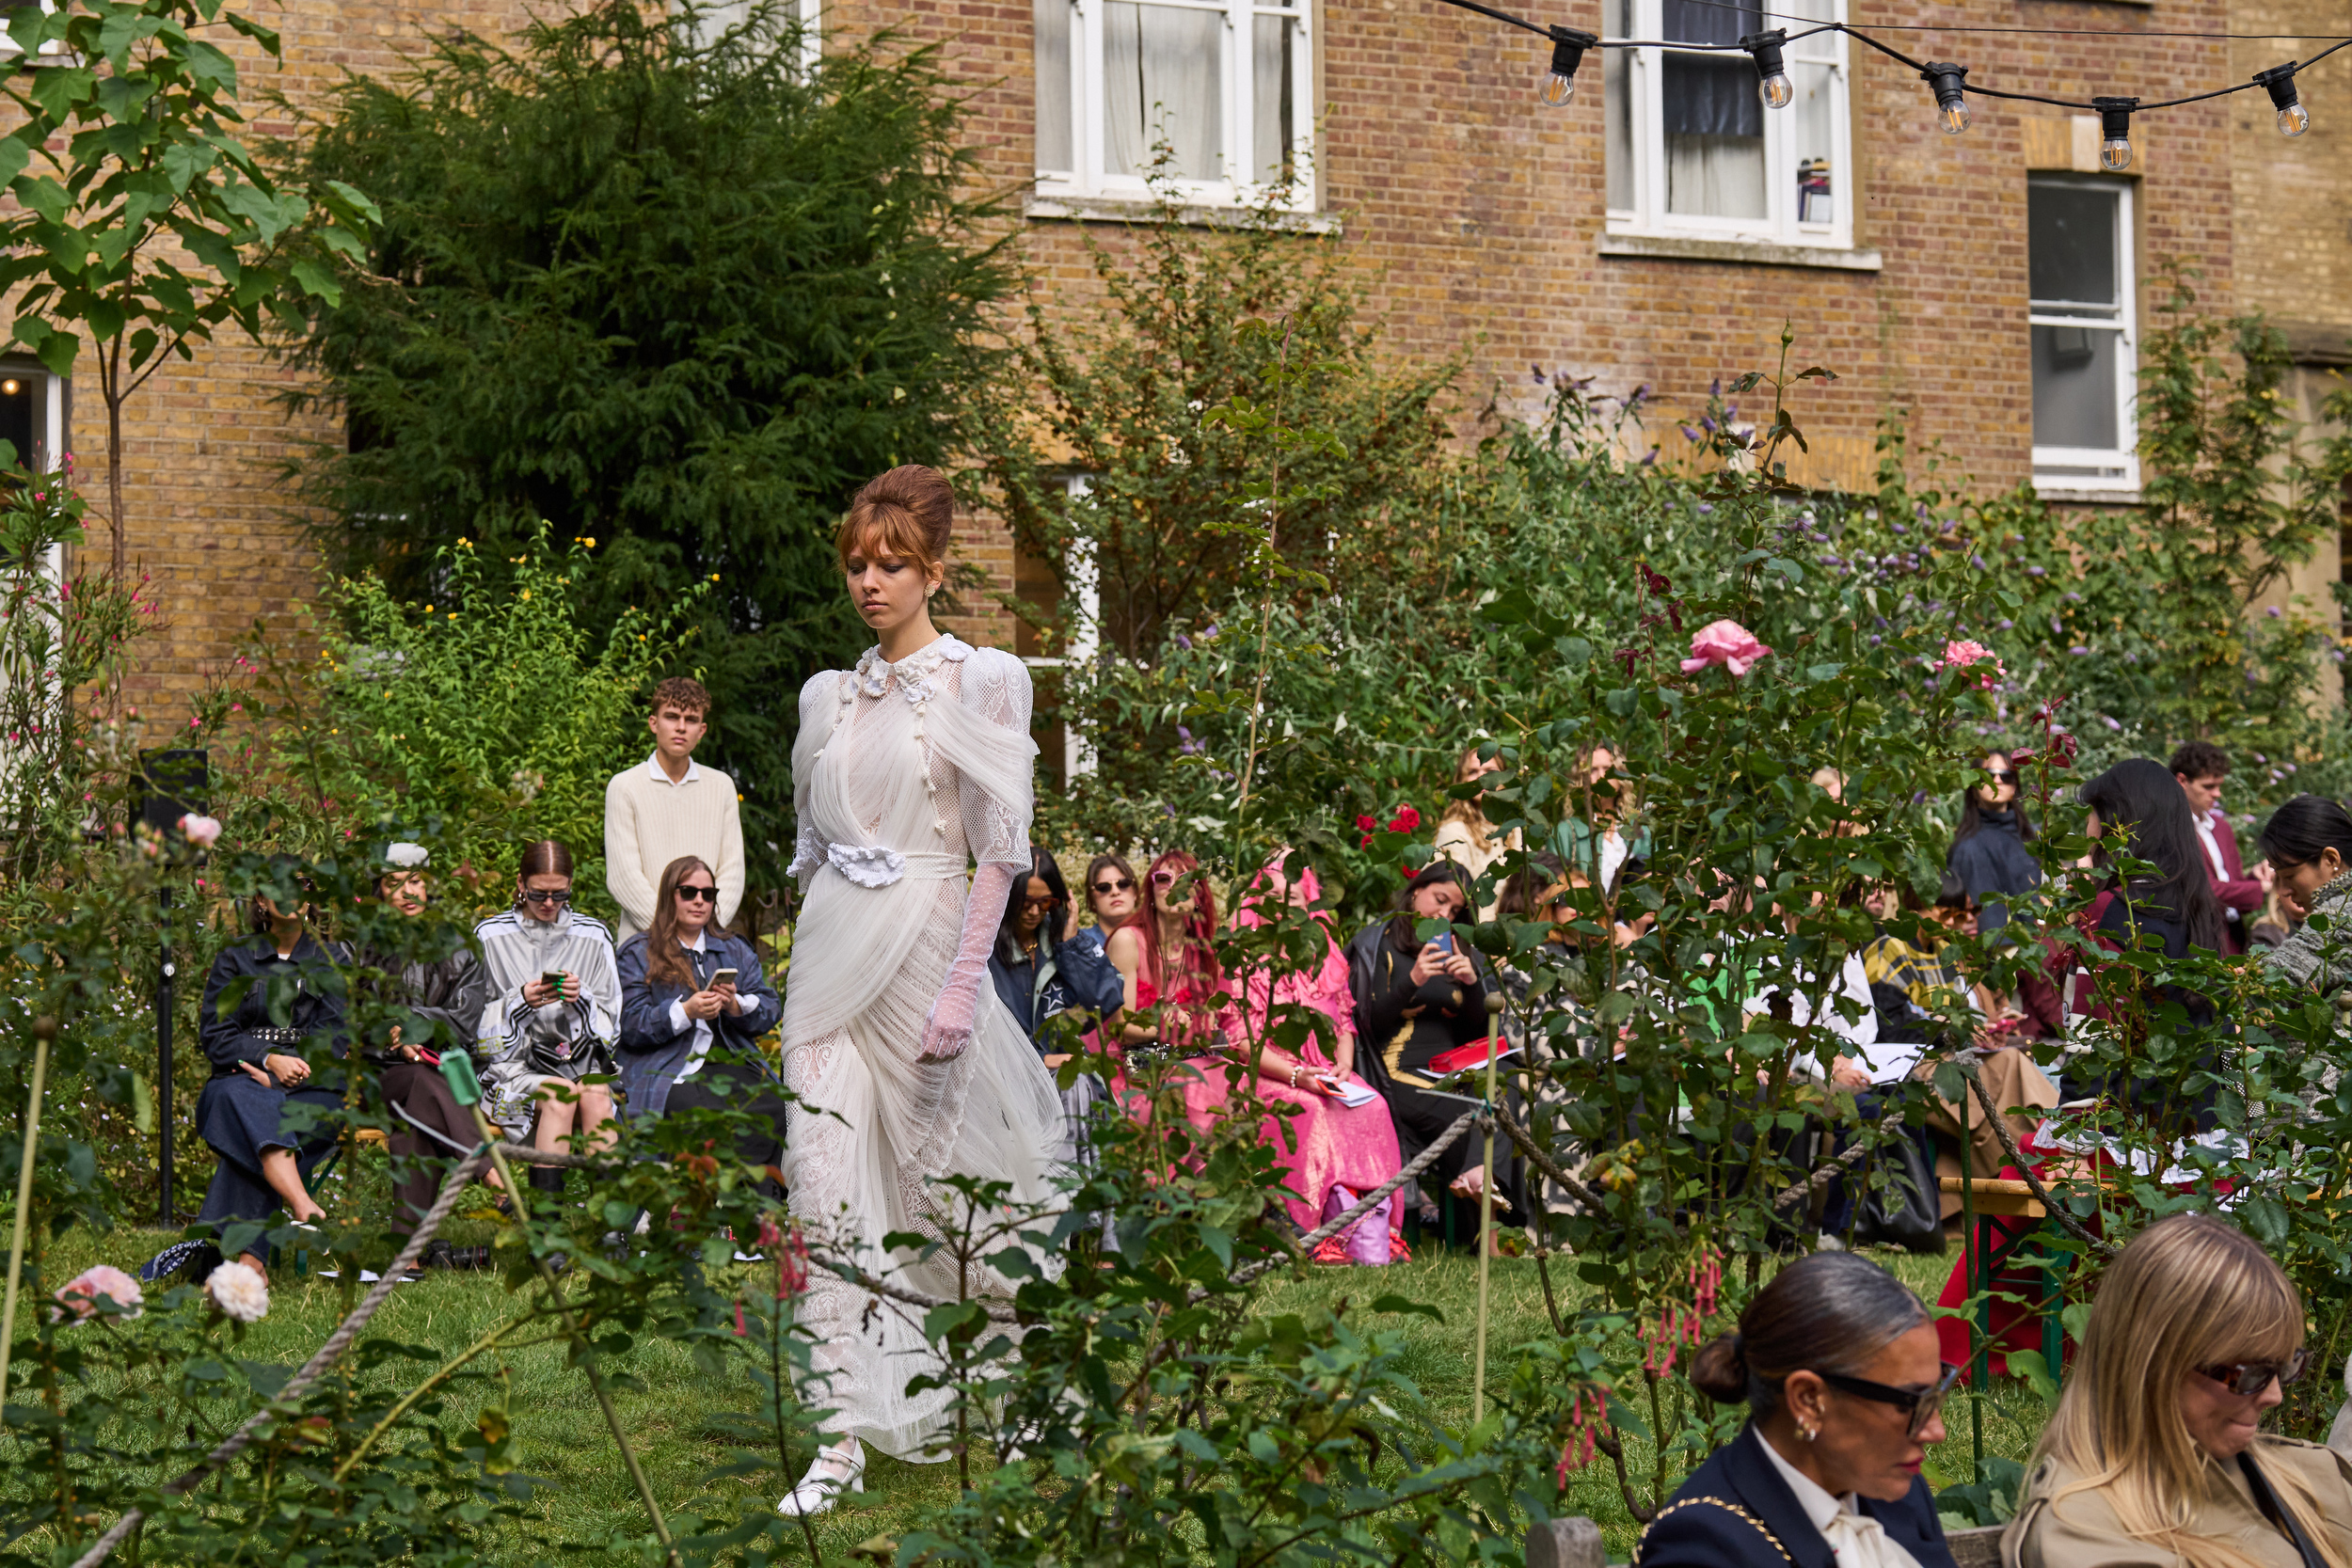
(867, 865)
(1725, 642)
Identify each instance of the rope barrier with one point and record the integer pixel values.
(312, 1369)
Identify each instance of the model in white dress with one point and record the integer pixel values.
(903, 775)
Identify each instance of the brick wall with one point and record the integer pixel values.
(1475, 216)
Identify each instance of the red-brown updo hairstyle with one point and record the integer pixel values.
(909, 512)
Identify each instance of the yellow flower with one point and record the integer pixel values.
(428, 610)
(590, 543)
(714, 576)
(525, 593)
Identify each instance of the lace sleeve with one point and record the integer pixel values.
(997, 815)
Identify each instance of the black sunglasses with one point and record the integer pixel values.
(2251, 1377)
(562, 895)
(699, 894)
(1118, 884)
(2003, 775)
(1922, 1402)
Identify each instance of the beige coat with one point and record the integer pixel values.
(2081, 1530)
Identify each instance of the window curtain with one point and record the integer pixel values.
(1715, 124)
(1270, 116)
(1055, 139)
(1160, 79)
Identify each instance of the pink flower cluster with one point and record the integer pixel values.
(1725, 642)
(1576, 1452)
(78, 1297)
(1961, 653)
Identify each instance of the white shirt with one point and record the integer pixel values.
(2213, 850)
(1857, 1034)
(1859, 1541)
(678, 1021)
(653, 766)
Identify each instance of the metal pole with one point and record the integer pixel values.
(1486, 1202)
(163, 1067)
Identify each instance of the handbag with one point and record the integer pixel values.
(1907, 1211)
(2275, 1511)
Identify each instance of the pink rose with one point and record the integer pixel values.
(1725, 642)
(202, 832)
(1962, 654)
(78, 1297)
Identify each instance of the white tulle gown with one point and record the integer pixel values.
(903, 776)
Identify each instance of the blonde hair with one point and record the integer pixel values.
(1469, 813)
(2188, 1292)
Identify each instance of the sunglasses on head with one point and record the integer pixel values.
(561, 895)
(699, 894)
(1922, 1403)
(1115, 884)
(2243, 1378)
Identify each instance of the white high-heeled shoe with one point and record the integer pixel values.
(833, 1472)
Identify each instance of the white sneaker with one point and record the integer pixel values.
(833, 1471)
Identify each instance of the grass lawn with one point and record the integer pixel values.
(589, 1502)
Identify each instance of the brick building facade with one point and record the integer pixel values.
(1626, 236)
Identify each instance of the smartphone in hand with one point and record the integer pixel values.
(720, 978)
(553, 980)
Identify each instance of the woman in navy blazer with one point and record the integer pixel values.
(1837, 1362)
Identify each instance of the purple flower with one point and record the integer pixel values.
(1978, 561)
(1899, 528)
(2078, 650)
(1185, 642)
(2272, 612)
(1688, 432)
(2034, 571)
(1706, 508)
(2074, 597)
(2112, 723)
(2263, 760)
(1539, 374)
(2007, 625)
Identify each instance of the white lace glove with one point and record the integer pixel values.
(948, 1029)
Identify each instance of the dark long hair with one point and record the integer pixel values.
(665, 960)
(1043, 867)
(1972, 810)
(1401, 924)
(1831, 1313)
(2300, 829)
(2140, 796)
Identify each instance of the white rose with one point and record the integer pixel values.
(239, 1290)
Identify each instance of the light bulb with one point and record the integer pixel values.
(1567, 48)
(2115, 127)
(1952, 104)
(2294, 119)
(1772, 78)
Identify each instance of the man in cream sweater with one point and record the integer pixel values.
(671, 806)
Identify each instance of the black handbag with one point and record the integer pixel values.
(1907, 1211)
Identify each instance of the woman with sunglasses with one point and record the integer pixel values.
(1037, 973)
(554, 1012)
(2155, 1453)
(1836, 1362)
(1112, 897)
(693, 1004)
(1989, 851)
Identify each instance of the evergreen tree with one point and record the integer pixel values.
(673, 289)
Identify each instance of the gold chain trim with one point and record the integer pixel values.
(1727, 1507)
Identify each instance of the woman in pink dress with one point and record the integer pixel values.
(1332, 1152)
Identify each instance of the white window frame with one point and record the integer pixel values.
(1644, 79)
(1086, 637)
(2122, 462)
(1237, 93)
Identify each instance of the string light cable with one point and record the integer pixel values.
(1947, 79)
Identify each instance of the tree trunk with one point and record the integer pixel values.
(114, 480)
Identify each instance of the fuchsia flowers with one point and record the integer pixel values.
(1725, 642)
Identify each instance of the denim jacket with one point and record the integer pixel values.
(654, 1051)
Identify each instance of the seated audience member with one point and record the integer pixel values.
(1112, 898)
(444, 1001)
(694, 1005)
(1463, 834)
(1922, 981)
(259, 1067)
(2155, 1453)
(1988, 853)
(1836, 1362)
(2202, 768)
(2309, 843)
(1415, 1000)
(1597, 854)
(1039, 971)
(554, 1012)
(1333, 1151)
(1167, 960)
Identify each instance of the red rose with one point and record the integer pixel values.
(1404, 821)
